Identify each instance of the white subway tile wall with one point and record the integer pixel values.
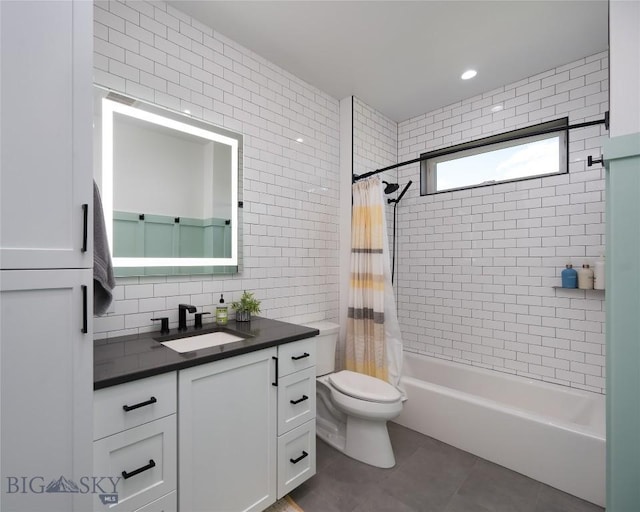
(375, 139)
(478, 266)
(290, 260)
(375, 146)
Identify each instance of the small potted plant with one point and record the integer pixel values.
(245, 307)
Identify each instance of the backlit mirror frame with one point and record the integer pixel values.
(168, 120)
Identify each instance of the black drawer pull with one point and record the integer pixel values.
(135, 472)
(295, 461)
(304, 397)
(295, 358)
(151, 400)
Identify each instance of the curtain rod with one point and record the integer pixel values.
(604, 121)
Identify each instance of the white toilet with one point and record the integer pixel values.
(352, 408)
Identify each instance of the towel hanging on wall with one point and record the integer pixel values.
(103, 280)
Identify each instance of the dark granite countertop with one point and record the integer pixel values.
(128, 358)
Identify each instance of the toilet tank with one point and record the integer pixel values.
(325, 346)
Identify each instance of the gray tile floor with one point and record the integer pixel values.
(429, 476)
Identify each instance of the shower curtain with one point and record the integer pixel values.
(374, 344)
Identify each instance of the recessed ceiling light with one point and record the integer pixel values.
(468, 74)
(300, 140)
(187, 111)
(496, 108)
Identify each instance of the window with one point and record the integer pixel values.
(531, 152)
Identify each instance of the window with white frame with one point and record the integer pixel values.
(532, 152)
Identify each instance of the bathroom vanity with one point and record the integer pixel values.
(231, 427)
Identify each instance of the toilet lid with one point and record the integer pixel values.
(365, 387)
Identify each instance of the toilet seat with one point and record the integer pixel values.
(364, 387)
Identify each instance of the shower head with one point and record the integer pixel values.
(390, 187)
(399, 198)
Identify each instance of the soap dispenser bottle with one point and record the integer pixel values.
(222, 313)
(585, 278)
(569, 277)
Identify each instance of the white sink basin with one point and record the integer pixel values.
(211, 339)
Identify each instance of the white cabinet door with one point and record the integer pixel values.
(144, 460)
(296, 457)
(227, 434)
(296, 356)
(296, 399)
(46, 145)
(128, 405)
(46, 390)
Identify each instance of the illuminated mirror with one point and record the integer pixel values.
(169, 187)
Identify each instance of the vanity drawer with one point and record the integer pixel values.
(147, 400)
(296, 356)
(296, 457)
(150, 449)
(296, 399)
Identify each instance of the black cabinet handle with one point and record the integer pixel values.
(304, 397)
(128, 408)
(85, 313)
(295, 461)
(85, 226)
(275, 382)
(135, 472)
(295, 358)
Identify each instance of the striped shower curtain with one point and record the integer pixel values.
(366, 350)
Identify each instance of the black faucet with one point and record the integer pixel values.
(182, 315)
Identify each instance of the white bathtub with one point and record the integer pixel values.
(551, 433)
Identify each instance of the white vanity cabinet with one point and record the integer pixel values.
(296, 414)
(46, 255)
(135, 439)
(227, 425)
(245, 433)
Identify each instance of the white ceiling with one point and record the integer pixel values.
(404, 58)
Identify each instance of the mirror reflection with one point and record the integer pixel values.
(169, 188)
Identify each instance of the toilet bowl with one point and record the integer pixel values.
(353, 408)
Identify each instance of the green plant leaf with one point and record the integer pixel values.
(247, 303)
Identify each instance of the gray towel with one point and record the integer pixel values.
(103, 280)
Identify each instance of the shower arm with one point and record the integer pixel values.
(395, 205)
(404, 191)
